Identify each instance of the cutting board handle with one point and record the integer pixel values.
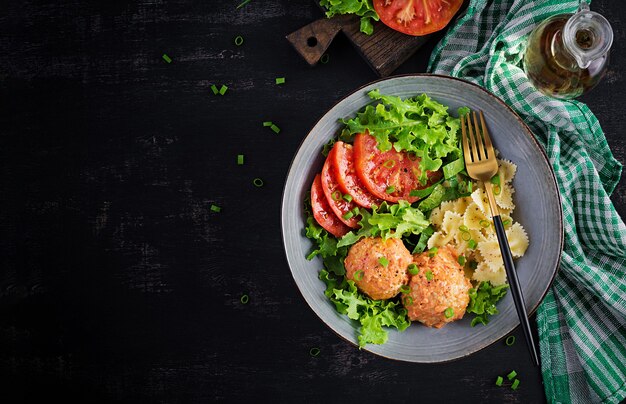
(311, 41)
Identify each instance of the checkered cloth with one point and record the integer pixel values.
(582, 321)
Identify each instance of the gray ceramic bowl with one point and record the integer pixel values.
(538, 209)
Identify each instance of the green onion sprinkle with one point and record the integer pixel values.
(243, 4)
(257, 182)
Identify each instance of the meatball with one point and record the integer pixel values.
(439, 292)
(378, 267)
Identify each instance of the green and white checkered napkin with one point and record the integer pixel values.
(582, 321)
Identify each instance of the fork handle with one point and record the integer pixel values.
(516, 290)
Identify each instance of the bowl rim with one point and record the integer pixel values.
(526, 130)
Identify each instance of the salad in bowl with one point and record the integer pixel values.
(405, 236)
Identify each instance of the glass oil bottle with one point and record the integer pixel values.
(567, 54)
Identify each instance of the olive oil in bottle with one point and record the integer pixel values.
(567, 54)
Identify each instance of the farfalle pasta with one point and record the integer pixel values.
(466, 224)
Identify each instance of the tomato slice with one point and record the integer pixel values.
(389, 175)
(334, 196)
(417, 17)
(322, 212)
(347, 179)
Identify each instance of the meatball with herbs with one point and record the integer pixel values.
(378, 267)
(439, 291)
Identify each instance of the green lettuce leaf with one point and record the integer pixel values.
(362, 8)
(483, 301)
(373, 315)
(325, 243)
(387, 221)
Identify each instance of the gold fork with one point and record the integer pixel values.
(481, 165)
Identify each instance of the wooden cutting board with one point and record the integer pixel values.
(385, 50)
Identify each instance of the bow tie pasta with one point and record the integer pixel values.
(466, 224)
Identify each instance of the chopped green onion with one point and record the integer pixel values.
(429, 275)
(406, 289)
(347, 198)
(358, 275)
(408, 301)
(216, 209)
(453, 168)
(275, 128)
(383, 261)
(507, 222)
(499, 381)
(469, 186)
(466, 236)
(484, 223)
(243, 4)
(325, 58)
(497, 190)
(511, 375)
(432, 252)
(336, 195)
(434, 199)
(267, 123)
(356, 211)
(389, 163)
(223, 89)
(314, 351)
(473, 264)
(240, 159)
(421, 193)
(495, 180)
(449, 312)
(390, 189)
(421, 244)
(244, 299)
(461, 260)
(472, 244)
(510, 340)
(413, 269)
(280, 80)
(238, 40)
(167, 58)
(515, 384)
(257, 182)
(348, 215)
(464, 228)
(214, 89)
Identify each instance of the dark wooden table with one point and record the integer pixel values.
(117, 282)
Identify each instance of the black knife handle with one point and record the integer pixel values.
(516, 290)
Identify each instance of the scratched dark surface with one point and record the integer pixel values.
(117, 282)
